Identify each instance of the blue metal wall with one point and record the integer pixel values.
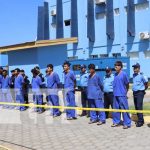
(3, 60)
(110, 33)
(29, 58)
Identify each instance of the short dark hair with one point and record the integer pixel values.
(119, 63)
(12, 71)
(22, 70)
(4, 70)
(50, 66)
(91, 66)
(37, 67)
(17, 69)
(67, 63)
(34, 71)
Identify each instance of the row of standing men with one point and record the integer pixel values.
(95, 92)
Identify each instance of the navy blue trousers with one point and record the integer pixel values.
(138, 102)
(108, 101)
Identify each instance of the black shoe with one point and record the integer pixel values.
(57, 115)
(92, 121)
(139, 124)
(74, 118)
(100, 123)
(115, 125)
(126, 127)
(69, 118)
(40, 112)
(82, 115)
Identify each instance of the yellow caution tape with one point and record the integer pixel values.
(77, 108)
(5, 148)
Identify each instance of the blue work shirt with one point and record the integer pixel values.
(69, 80)
(84, 79)
(19, 80)
(1, 80)
(108, 83)
(95, 87)
(36, 83)
(139, 82)
(121, 80)
(6, 82)
(53, 80)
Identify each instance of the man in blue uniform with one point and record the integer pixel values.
(25, 87)
(69, 87)
(108, 89)
(37, 68)
(12, 82)
(6, 95)
(95, 96)
(1, 76)
(120, 88)
(140, 84)
(19, 81)
(53, 82)
(37, 94)
(83, 87)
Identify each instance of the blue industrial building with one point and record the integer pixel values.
(106, 31)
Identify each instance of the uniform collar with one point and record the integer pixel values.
(108, 75)
(84, 73)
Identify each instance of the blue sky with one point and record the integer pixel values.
(18, 21)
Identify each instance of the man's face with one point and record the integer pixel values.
(83, 70)
(16, 72)
(49, 69)
(117, 68)
(136, 70)
(66, 67)
(108, 72)
(92, 71)
(4, 73)
(13, 73)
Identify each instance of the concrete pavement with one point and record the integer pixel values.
(31, 131)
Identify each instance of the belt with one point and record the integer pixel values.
(108, 92)
(135, 92)
(83, 87)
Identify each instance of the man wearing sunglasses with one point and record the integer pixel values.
(140, 84)
(120, 88)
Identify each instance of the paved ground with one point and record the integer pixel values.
(29, 131)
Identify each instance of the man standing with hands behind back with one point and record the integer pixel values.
(120, 88)
(140, 84)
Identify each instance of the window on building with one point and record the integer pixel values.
(101, 15)
(116, 54)
(53, 24)
(133, 55)
(147, 54)
(125, 8)
(67, 22)
(73, 58)
(116, 11)
(93, 56)
(100, 11)
(104, 55)
(142, 6)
